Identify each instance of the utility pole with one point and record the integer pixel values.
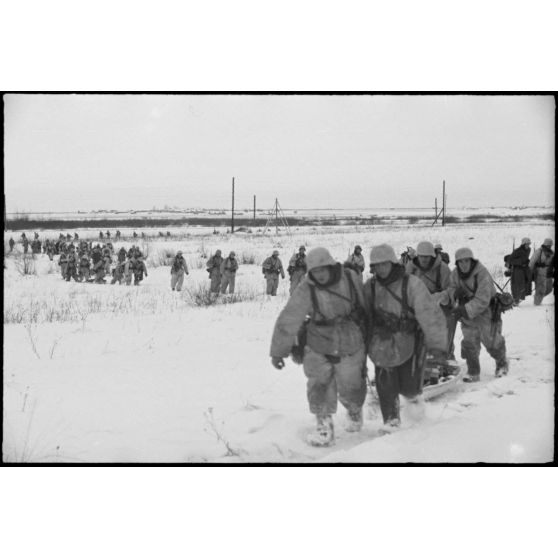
(254, 208)
(276, 220)
(232, 213)
(435, 209)
(444, 204)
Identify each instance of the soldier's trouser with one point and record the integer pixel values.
(520, 283)
(71, 273)
(296, 278)
(83, 273)
(215, 283)
(99, 275)
(138, 277)
(405, 379)
(272, 282)
(543, 285)
(117, 276)
(177, 279)
(481, 330)
(228, 281)
(326, 380)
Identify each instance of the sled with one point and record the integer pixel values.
(448, 376)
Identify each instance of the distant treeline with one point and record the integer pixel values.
(25, 224)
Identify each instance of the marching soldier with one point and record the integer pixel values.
(214, 269)
(472, 289)
(11, 243)
(406, 322)
(330, 301)
(356, 261)
(297, 268)
(518, 261)
(178, 269)
(63, 262)
(542, 269)
(272, 267)
(72, 266)
(444, 256)
(84, 267)
(229, 267)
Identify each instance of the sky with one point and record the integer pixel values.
(86, 152)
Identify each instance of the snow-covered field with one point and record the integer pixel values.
(101, 373)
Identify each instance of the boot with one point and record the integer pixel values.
(472, 378)
(323, 436)
(392, 425)
(354, 421)
(502, 367)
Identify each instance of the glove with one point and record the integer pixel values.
(507, 273)
(459, 312)
(278, 362)
(460, 292)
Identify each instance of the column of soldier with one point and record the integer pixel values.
(403, 318)
(82, 261)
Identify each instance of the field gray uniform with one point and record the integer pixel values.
(229, 267)
(272, 267)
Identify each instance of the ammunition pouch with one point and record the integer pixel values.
(297, 350)
(500, 303)
(387, 323)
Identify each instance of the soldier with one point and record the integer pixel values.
(472, 288)
(229, 267)
(76, 236)
(122, 255)
(11, 243)
(429, 267)
(272, 267)
(101, 235)
(36, 245)
(178, 269)
(297, 268)
(135, 235)
(98, 266)
(356, 261)
(107, 234)
(49, 247)
(118, 272)
(84, 267)
(63, 262)
(407, 256)
(444, 256)
(107, 259)
(71, 268)
(117, 235)
(518, 262)
(330, 301)
(405, 323)
(68, 237)
(139, 270)
(542, 270)
(36, 236)
(25, 244)
(214, 270)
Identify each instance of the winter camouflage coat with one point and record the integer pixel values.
(229, 265)
(542, 259)
(214, 265)
(388, 348)
(356, 261)
(297, 262)
(475, 290)
(436, 278)
(273, 265)
(179, 265)
(331, 331)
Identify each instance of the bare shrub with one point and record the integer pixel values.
(217, 430)
(26, 265)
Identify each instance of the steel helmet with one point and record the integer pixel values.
(525, 240)
(463, 253)
(438, 246)
(425, 248)
(547, 242)
(275, 252)
(319, 257)
(382, 253)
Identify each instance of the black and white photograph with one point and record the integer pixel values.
(278, 278)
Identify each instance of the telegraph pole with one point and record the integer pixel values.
(444, 204)
(232, 212)
(254, 208)
(276, 219)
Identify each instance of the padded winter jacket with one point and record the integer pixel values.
(478, 287)
(436, 278)
(229, 265)
(331, 331)
(273, 265)
(388, 349)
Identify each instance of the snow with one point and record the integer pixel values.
(101, 373)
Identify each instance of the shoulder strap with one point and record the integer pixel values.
(405, 308)
(439, 278)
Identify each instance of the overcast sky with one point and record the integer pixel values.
(82, 152)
